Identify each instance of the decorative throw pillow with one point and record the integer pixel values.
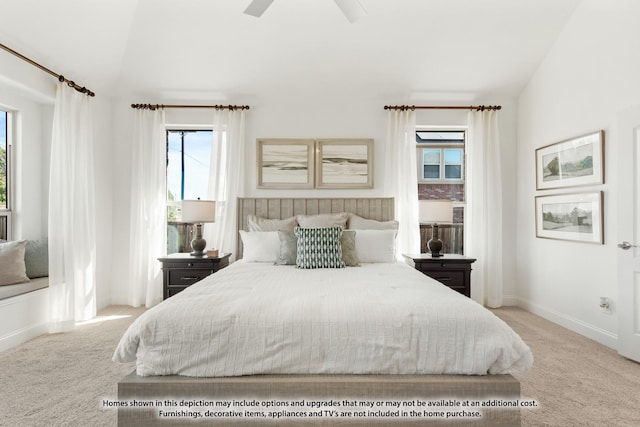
(358, 223)
(288, 248)
(323, 220)
(260, 246)
(36, 258)
(12, 268)
(319, 247)
(348, 243)
(256, 223)
(376, 245)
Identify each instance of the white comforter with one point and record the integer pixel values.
(257, 318)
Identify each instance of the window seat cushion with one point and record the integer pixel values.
(9, 291)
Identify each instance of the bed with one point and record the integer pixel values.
(377, 332)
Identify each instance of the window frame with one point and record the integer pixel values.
(7, 211)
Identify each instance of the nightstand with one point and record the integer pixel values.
(450, 269)
(182, 270)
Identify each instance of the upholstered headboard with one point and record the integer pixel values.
(378, 208)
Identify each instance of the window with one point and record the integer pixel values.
(441, 176)
(188, 165)
(440, 155)
(5, 176)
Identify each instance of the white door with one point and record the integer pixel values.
(628, 142)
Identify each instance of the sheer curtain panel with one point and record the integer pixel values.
(226, 180)
(402, 178)
(148, 234)
(72, 237)
(484, 200)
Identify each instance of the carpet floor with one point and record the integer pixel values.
(62, 379)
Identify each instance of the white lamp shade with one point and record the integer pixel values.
(198, 211)
(435, 211)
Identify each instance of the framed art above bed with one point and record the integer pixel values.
(344, 163)
(294, 163)
(285, 163)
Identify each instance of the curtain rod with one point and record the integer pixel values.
(60, 77)
(217, 107)
(443, 107)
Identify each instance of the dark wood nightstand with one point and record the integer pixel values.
(451, 269)
(182, 270)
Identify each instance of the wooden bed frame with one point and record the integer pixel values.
(410, 388)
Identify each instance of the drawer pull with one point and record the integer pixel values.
(445, 279)
(189, 278)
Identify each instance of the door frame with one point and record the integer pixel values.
(628, 303)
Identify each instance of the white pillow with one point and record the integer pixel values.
(376, 245)
(358, 223)
(256, 223)
(260, 246)
(12, 267)
(323, 220)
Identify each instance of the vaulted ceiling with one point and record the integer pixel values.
(200, 49)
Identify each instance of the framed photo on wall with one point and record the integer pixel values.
(574, 162)
(344, 163)
(285, 163)
(576, 217)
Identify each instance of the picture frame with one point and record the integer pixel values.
(285, 163)
(344, 163)
(574, 162)
(576, 217)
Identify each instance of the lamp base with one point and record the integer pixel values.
(435, 244)
(198, 243)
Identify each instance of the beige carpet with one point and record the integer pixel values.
(60, 380)
(577, 381)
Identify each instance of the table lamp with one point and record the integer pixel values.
(198, 212)
(435, 212)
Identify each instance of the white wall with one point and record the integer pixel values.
(589, 76)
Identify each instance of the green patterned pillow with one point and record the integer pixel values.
(319, 247)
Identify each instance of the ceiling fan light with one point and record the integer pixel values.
(257, 7)
(351, 9)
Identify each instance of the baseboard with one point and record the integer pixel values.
(510, 300)
(22, 335)
(576, 325)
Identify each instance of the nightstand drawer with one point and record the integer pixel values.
(452, 279)
(451, 270)
(426, 267)
(181, 270)
(186, 277)
(172, 290)
(185, 264)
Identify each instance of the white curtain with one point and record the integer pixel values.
(402, 178)
(148, 233)
(72, 238)
(484, 207)
(226, 179)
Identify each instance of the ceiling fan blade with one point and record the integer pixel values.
(352, 9)
(257, 7)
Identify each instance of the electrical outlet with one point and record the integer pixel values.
(605, 305)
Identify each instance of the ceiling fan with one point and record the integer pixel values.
(351, 9)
